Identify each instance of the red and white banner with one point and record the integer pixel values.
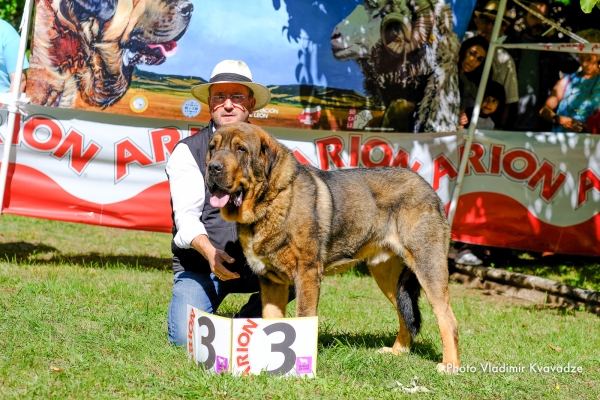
(533, 191)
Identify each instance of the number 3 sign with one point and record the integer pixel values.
(286, 346)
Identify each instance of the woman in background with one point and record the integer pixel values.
(576, 97)
(471, 56)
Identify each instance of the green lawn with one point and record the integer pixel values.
(83, 315)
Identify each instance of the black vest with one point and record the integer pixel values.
(222, 234)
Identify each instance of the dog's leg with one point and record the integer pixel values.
(386, 275)
(274, 297)
(435, 285)
(308, 289)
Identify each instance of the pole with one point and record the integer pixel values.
(475, 117)
(580, 48)
(13, 110)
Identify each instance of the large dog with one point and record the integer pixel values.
(90, 47)
(297, 223)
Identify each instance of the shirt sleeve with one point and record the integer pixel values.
(187, 194)
(505, 73)
(10, 49)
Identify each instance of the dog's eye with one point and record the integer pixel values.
(240, 149)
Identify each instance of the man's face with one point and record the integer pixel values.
(534, 26)
(230, 110)
(485, 26)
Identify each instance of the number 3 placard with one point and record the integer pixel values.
(286, 346)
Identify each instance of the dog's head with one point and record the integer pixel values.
(117, 35)
(245, 169)
(145, 30)
(153, 30)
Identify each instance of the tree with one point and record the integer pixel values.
(588, 5)
(11, 11)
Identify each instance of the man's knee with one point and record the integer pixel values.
(188, 289)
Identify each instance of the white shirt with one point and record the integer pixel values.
(187, 194)
(485, 123)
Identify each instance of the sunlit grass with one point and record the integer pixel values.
(83, 315)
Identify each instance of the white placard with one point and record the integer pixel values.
(286, 346)
(209, 340)
(283, 346)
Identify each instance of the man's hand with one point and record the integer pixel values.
(215, 258)
(22, 84)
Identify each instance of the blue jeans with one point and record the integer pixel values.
(206, 292)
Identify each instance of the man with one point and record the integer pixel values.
(503, 66)
(9, 53)
(537, 71)
(207, 257)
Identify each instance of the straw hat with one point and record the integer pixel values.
(491, 10)
(231, 71)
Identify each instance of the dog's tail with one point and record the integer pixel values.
(407, 299)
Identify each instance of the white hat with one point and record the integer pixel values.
(230, 71)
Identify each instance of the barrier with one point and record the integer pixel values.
(531, 191)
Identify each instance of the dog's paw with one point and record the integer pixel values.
(392, 350)
(448, 368)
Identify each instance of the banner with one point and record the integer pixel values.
(532, 191)
(383, 65)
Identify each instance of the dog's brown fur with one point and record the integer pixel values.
(80, 46)
(297, 223)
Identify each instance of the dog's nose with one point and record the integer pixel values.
(186, 9)
(336, 34)
(215, 167)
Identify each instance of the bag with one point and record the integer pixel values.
(593, 122)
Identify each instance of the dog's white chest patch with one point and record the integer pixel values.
(256, 263)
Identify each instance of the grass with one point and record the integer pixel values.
(83, 315)
(582, 272)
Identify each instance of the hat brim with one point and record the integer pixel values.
(261, 93)
(492, 15)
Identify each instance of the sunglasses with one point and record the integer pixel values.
(221, 98)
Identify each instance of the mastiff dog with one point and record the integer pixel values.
(297, 223)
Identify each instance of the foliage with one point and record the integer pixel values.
(588, 5)
(11, 11)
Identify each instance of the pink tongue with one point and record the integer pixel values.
(219, 199)
(167, 49)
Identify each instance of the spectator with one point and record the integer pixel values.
(537, 71)
(9, 53)
(491, 107)
(503, 66)
(576, 97)
(471, 56)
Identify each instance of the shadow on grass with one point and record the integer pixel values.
(27, 253)
(376, 341)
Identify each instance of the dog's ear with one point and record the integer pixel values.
(212, 144)
(102, 10)
(268, 151)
